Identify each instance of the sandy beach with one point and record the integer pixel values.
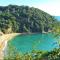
(3, 42)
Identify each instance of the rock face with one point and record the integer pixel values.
(1, 33)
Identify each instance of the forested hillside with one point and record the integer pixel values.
(22, 19)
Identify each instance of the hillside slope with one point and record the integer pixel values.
(22, 19)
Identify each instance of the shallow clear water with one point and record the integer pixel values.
(27, 43)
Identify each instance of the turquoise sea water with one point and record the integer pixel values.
(28, 42)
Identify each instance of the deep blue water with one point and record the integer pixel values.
(28, 42)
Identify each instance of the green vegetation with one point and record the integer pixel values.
(15, 18)
(26, 19)
(13, 54)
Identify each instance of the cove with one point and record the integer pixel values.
(28, 42)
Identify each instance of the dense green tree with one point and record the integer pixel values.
(25, 19)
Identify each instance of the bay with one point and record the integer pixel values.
(28, 42)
